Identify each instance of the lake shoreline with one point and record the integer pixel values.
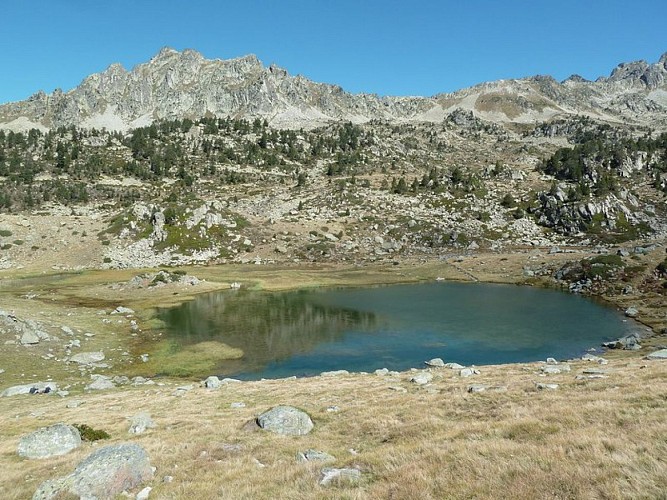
(93, 290)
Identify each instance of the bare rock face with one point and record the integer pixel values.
(105, 473)
(186, 85)
(51, 441)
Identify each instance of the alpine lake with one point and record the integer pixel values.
(251, 335)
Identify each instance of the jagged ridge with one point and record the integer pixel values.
(184, 84)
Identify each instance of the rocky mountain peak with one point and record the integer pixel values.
(641, 73)
(163, 54)
(180, 84)
(663, 60)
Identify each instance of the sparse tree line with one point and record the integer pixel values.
(64, 165)
(596, 165)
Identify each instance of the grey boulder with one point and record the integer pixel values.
(661, 354)
(422, 378)
(36, 388)
(346, 475)
(51, 441)
(87, 358)
(140, 422)
(314, 456)
(105, 473)
(286, 420)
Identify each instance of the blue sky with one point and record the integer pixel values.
(386, 47)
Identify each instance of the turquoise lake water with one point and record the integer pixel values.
(306, 332)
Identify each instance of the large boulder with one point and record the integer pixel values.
(35, 388)
(49, 441)
(286, 420)
(105, 473)
(661, 354)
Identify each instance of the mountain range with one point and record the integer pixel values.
(176, 85)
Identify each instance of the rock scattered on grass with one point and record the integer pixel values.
(140, 422)
(547, 387)
(212, 382)
(285, 420)
(474, 388)
(51, 441)
(454, 366)
(339, 476)
(122, 310)
(182, 390)
(34, 388)
(105, 473)
(87, 358)
(555, 369)
(334, 373)
(100, 383)
(314, 456)
(661, 354)
(594, 358)
(144, 494)
(422, 378)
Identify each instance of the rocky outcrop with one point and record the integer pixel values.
(572, 217)
(27, 331)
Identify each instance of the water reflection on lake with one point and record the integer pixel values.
(309, 331)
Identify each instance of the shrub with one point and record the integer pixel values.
(5, 232)
(662, 267)
(608, 260)
(90, 434)
(508, 201)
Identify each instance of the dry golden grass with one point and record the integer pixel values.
(604, 438)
